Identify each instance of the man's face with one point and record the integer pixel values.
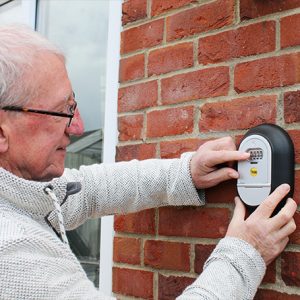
(37, 143)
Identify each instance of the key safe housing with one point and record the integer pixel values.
(271, 163)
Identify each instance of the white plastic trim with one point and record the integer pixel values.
(110, 137)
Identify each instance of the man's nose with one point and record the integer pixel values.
(76, 127)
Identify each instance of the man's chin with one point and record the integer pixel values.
(53, 172)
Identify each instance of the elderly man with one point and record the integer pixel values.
(39, 198)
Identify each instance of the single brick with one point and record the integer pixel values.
(127, 250)
(159, 7)
(267, 73)
(139, 151)
(143, 36)
(207, 83)
(244, 41)
(142, 222)
(273, 295)
(137, 96)
(296, 197)
(130, 127)
(132, 68)
(292, 107)
(193, 221)
(170, 121)
(169, 287)
(224, 192)
(250, 9)
(216, 14)
(134, 283)
(238, 114)
(169, 59)
(167, 255)
(202, 252)
(133, 10)
(295, 135)
(270, 276)
(295, 236)
(290, 31)
(290, 264)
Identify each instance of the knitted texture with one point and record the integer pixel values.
(128, 187)
(36, 264)
(232, 272)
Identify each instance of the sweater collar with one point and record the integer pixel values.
(29, 195)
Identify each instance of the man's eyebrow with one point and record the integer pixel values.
(64, 100)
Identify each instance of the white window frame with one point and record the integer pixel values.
(110, 124)
(29, 12)
(28, 8)
(110, 136)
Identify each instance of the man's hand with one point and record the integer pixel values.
(268, 235)
(205, 164)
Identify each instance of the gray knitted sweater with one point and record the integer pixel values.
(36, 264)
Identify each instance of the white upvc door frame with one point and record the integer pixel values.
(110, 136)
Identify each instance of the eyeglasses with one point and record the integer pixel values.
(70, 114)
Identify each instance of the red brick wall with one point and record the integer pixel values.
(190, 71)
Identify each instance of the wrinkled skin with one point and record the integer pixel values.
(33, 146)
(269, 235)
(206, 161)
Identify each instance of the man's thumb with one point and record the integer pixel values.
(239, 210)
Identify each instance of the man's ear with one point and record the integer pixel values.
(3, 139)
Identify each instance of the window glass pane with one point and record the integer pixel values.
(80, 29)
(11, 12)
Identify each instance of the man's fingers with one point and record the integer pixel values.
(239, 210)
(285, 214)
(266, 208)
(236, 226)
(215, 158)
(218, 176)
(224, 143)
(283, 244)
(287, 229)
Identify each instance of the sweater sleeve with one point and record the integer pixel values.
(232, 272)
(130, 187)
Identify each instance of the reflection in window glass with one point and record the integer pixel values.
(80, 29)
(11, 12)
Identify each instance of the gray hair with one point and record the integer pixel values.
(19, 46)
